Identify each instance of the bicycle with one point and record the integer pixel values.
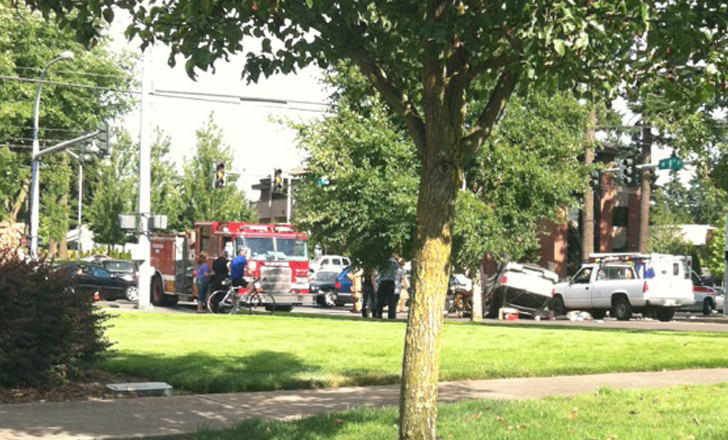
(230, 301)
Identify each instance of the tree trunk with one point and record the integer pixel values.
(52, 247)
(588, 227)
(63, 241)
(439, 183)
(644, 234)
(477, 295)
(19, 202)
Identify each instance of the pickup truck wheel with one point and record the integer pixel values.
(621, 309)
(707, 307)
(665, 314)
(557, 306)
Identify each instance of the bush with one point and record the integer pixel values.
(50, 329)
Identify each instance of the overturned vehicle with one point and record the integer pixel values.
(525, 287)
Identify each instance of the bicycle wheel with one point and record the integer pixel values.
(258, 302)
(220, 302)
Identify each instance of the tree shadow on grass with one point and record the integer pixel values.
(262, 371)
(362, 423)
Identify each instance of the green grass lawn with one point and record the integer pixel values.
(696, 412)
(211, 353)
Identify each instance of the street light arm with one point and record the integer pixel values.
(68, 55)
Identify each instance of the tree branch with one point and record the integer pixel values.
(376, 75)
(490, 63)
(486, 122)
(399, 101)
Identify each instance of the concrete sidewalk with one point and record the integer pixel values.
(150, 416)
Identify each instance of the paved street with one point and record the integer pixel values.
(686, 322)
(124, 418)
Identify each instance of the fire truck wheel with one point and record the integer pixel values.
(158, 296)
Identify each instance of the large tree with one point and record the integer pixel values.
(424, 58)
(198, 200)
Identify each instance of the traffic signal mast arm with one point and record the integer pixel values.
(652, 166)
(66, 144)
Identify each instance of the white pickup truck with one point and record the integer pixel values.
(652, 284)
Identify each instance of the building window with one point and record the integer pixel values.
(621, 215)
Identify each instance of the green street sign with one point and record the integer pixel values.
(676, 163)
(671, 163)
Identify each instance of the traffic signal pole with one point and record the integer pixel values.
(145, 177)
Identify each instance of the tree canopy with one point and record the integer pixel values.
(27, 44)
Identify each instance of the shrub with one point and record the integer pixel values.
(50, 329)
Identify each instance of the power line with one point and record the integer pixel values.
(190, 98)
(77, 130)
(244, 98)
(98, 75)
(65, 84)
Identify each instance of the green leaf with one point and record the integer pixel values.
(645, 10)
(559, 46)
(109, 15)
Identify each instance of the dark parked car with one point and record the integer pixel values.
(127, 270)
(96, 279)
(323, 285)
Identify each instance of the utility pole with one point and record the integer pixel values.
(588, 227)
(646, 186)
(288, 200)
(145, 173)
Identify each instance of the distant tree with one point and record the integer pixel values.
(715, 253)
(166, 196)
(114, 191)
(199, 201)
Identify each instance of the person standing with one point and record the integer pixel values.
(385, 289)
(355, 276)
(237, 269)
(369, 295)
(203, 281)
(219, 271)
(403, 284)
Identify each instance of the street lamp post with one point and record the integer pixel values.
(81, 158)
(35, 184)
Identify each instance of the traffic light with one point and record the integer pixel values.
(628, 171)
(278, 181)
(220, 178)
(595, 179)
(102, 139)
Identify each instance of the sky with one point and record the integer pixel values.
(259, 143)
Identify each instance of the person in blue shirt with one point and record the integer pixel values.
(237, 269)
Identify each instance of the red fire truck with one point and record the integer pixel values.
(277, 255)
